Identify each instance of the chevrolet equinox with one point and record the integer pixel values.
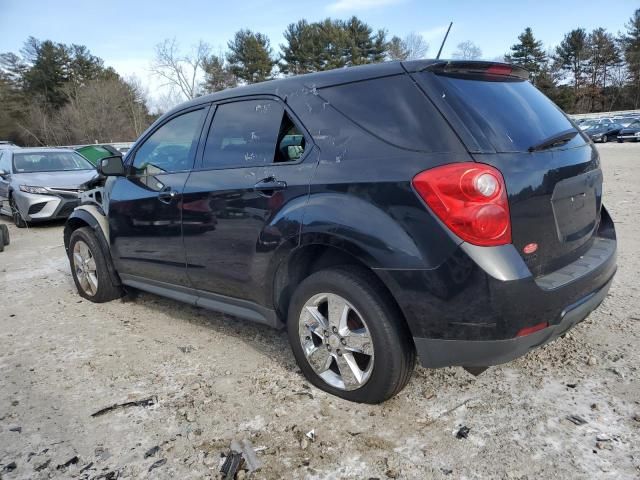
(439, 210)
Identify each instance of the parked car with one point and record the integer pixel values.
(626, 121)
(441, 208)
(630, 133)
(603, 132)
(94, 153)
(39, 184)
(5, 144)
(592, 122)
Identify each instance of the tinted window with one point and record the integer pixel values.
(395, 110)
(171, 147)
(251, 133)
(513, 115)
(49, 162)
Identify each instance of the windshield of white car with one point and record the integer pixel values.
(49, 162)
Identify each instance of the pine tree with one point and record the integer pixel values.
(528, 54)
(249, 56)
(572, 57)
(47, 73)
(604, 55)
(312, 47)
(217, 75)
(396, 49)
(631, 48)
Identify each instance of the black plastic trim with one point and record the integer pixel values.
(437, 353)
(211, 301)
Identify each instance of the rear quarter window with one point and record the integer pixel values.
(395, 110)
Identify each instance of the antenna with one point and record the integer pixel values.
(444, 40)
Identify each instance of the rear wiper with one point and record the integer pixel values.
(554, 140)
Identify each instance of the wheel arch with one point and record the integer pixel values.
(308, 258)
(90, 216)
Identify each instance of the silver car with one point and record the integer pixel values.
(41, 183)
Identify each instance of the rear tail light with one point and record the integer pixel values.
(470, 198)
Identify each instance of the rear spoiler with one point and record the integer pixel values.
(471, 68)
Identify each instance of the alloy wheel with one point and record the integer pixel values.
(85, 268)
(336, 341)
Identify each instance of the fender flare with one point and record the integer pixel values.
(91, 216)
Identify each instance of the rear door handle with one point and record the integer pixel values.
(167, 195)
(268, 186)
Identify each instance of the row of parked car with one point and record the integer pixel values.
(39, 184)
(622, 129)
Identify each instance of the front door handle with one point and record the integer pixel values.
(268, 186)
(167, 195)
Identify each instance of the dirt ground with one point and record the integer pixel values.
(213, 379)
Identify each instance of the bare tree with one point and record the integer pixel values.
(467, 51)
(415, 46)
(182, 71)
(411, 47)
(136, 104)
(167, 100)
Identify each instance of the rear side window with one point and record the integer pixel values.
(252, 133)
(512, 115)
(394, 110)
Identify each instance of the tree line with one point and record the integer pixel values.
(56, 94)
(588, 71)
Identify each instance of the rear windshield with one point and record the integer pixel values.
(512, 115)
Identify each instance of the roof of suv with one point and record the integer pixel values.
(282, 86)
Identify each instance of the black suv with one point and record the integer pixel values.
(441, 208)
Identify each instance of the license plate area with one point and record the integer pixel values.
(576, 206)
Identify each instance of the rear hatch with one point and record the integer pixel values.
(552, 172)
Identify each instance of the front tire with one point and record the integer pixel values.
(16, 215)
(605, 139)
(349, 337)
(5, 234)
(89, 268)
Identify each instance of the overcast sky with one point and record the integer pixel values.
(124, 33)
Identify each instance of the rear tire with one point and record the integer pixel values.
(5, 234)
(370, 329)
(1, 241)
(16, 215)
(89, 268)
(620, 141)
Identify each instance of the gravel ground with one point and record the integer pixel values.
(213, 379)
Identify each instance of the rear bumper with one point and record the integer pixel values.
(470, 310)
(435, 353)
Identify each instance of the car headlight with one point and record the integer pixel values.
(637, 134)
(29, 189)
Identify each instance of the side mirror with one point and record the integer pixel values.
(3, 173)
(111, 166)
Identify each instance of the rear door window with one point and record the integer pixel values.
(252, 133)
(512, 115)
